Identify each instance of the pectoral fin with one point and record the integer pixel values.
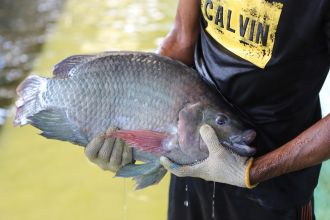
(145, 140)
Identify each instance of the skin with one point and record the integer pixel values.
(309, 148)
(179, 44)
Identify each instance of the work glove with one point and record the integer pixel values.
(108, 153)
(222, 165)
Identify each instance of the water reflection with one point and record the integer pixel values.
(23, 29)
(48, 179)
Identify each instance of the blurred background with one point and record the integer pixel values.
(47, 179)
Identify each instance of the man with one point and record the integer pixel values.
(269, 59)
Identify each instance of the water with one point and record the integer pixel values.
(186, 202)
(125, 208)
(46, 179)
(4, 113)
(23, 29)
(213, 201)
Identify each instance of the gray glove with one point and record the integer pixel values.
(109, 153)
(221, 166)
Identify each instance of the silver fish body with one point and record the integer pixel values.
(131, 91)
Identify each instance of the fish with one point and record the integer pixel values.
(157, 103)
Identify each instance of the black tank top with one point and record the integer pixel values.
(270, 60)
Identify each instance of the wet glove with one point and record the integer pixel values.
(221, 165)
(108, 153)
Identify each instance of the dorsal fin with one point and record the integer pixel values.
(64, 68)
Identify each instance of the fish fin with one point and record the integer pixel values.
(145, 140)
(28, 103)
(153, 178)
(55, 124)
(65, 68)
(133, 170)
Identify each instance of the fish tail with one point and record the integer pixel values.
(29, 93)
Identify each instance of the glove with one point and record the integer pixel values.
(221, 165)
(109, 153)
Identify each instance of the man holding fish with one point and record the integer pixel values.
(269, 59)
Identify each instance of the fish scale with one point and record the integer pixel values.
(140, 93)
(125, 90)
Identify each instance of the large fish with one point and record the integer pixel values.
(157, 103)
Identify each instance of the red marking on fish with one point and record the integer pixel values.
(146, 140)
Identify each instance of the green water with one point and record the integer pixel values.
(46, 179)
(23, 30)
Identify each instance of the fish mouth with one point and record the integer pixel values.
(239, 144)
(248, 136)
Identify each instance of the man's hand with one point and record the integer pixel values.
(222, 165)
(108, 153)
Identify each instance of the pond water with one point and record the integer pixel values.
(47, 179)
(23, 29)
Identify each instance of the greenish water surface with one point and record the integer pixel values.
(47, 179)
(23, 30)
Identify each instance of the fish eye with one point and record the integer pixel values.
(221, 119)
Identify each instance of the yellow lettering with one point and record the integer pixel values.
(244, 27)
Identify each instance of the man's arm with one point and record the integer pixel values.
(179, 44)
(310, 148)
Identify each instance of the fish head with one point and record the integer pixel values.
(229, 129)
